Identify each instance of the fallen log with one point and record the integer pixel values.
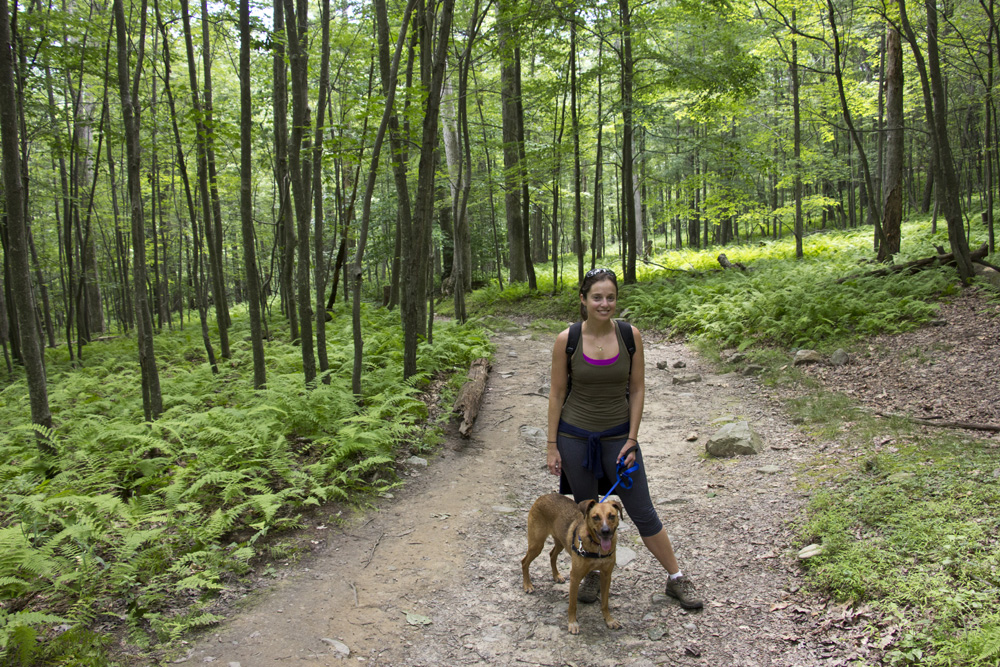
(971, 426)
(470, 397)
(726, 264)
(919, 264)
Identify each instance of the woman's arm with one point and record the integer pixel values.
(558, 386)
(636, 396)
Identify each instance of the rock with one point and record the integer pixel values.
(661, 365)
(840, 357)
(988, 274)
(680, 364)
(657, 633)
(417, 461)
(533, 435)
(233, 663)
(807, 357)
(734, 439)
(769, 470)
(339, 647)
(624, 556)
(687, 379)
(659, 598)
(503, 509)
(736, 358)
(692, 651)
(692, 436)
(512, 354)
(753, 369)
(810, 550)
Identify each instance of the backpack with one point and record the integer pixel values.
(576, 330)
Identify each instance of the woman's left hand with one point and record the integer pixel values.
(630, 457)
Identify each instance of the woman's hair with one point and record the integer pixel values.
(589, 279)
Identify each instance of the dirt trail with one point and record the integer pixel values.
(432, 575)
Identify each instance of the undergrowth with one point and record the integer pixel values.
(142, 524)
(908, 525)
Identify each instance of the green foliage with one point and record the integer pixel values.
(908, 526)
(138, 516)
(788, 303)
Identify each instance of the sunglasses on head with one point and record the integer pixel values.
(600, 272)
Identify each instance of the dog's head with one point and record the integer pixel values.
(602, 521)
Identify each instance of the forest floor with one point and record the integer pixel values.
(431, 575)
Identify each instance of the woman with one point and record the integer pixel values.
(595, 407)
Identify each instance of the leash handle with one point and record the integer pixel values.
(624, 474)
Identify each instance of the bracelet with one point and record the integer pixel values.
(552, 442)
(636, 441)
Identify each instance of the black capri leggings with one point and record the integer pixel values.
(584, 485)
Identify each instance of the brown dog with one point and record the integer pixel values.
(588, 532)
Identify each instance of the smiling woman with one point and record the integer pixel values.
(595, 423)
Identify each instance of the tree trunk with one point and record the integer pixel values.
(507, 35)
(17, 238)
(389, 72)
(152, 399)
(285, 229)
(797, 139)
(575, 123)
(892, 209)
(295, 30)
(935, 106)
(200, 295)
(628, 198)
(320, 264)
(214, 262)
(246, 201)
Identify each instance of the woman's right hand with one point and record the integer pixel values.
(554, 462)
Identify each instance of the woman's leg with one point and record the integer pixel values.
(659, 545)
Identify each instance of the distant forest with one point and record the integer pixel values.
(164, 162)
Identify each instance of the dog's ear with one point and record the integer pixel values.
(585, 506)
(621, 510)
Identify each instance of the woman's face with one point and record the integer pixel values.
(600, 300)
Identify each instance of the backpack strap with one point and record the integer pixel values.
(572, 340)
(627, 336)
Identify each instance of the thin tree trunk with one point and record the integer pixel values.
(507, 35)
(319, 271)
(152, 399)
(200, 296)
(892, 209)
(389, 74)
(214, 262)
(797, 134)
(628, 198)
(246, 201)
(575, 124)
(17, 237)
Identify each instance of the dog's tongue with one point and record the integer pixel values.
(605, 545)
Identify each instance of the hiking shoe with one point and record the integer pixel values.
(590, 588)
(683, 589)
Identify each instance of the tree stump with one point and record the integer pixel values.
(471, 395)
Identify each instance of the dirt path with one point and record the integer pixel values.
(432, 575)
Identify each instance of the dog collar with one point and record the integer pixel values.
(580, 551)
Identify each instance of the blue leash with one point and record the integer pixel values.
(624, 476)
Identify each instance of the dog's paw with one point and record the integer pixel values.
(559, 579)
(528, 588)
(574, 628)
(613, 624)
